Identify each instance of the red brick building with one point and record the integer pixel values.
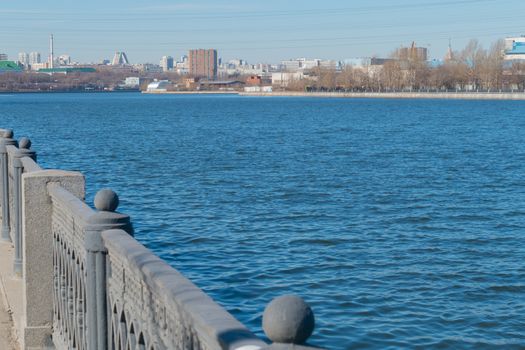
(254, 80)
(203, 63)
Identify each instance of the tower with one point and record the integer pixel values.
(450, 54)
(51, 54)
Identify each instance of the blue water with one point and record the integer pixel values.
(401, 222)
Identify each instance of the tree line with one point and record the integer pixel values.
(473, 68)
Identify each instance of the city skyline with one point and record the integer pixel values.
(255, 32)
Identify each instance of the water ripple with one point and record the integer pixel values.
(400, 222)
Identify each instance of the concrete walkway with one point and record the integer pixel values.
(10, 299)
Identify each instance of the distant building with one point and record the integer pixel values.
(190, 83)
(358, 62)
(412, 53)
(515, 48)
(291, 65)
(119, 59)
(236, 63)
(310, 64)
(181, 67)
(148, 68)
(203, 63)
(23, 58)
(9, 66)
(166, 62)
(329, 64)
(283, 79)
(38, 66)
(64, 60)
(302, 64)
(3, 57)
(258, 89)
(34, 58)
(158, 86)
(254, 80)
(225, 85)
(132, 82)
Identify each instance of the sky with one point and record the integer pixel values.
(258, 31)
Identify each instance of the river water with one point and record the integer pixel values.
(401, 222)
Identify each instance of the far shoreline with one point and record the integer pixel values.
(65, 92)
(513, 96)
(495, 96)
(504, 96)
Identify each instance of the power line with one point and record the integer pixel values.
(128, 16)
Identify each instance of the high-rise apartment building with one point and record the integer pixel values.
(166, 62)
(119, 59)
(3, 57)
(412, 53)
(34, 58)
(203, 63)
(23, 58)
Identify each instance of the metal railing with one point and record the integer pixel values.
(90, 285)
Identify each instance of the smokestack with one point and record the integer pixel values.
(51, 54)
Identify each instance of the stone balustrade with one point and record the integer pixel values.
(88, 284)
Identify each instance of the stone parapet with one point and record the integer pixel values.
(86, 283)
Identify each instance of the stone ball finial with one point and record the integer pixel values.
(288, 319)
(24, 143)
(106, 200)
(8, 134)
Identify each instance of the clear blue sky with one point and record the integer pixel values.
(265, 31)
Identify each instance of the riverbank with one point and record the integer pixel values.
(397, 95)
(21, 92)
(191, 92)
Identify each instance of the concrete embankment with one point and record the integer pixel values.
(191, 92)
(396, 95)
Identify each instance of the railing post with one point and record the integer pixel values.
(17, 265)
(23, 151)
(7, 139)
(106, 202)
(38, 270)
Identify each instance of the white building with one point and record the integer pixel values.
(329, 64)
(283, 79)
(132, 82)
(291, 65)
(23, 58)
(34, 58)
(64, 60)
(37, 66)
(310, 64)
(258, 89)
(301, 64)
(158, 86)
(358, 62)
